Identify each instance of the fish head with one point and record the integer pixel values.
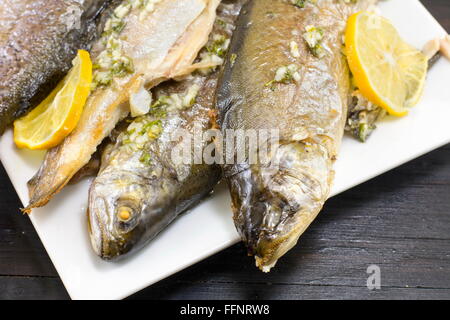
(115, 213)
(273, 202)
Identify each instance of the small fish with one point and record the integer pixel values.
(289, 74)
(38, 41)
(153, 43)
(140, 188)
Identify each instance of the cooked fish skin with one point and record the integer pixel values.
(162, 46)
(272, 208)
(154, 193)
(38, 41)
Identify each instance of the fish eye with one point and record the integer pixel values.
(124, 214)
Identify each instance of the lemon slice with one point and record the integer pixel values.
(56, 117)
(388, 71)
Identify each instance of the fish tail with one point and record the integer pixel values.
(48, 181)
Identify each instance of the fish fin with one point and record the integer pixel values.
(43, 185)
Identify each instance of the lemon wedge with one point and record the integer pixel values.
(56, 117)
(389, 72)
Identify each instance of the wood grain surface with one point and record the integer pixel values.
(399, 221)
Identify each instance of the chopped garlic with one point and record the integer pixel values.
(137, 4)
(189, 98)
(140, 102)
(122, 11)
(112, 59)
(280, 74)
(214, 54)
(302, 3)
(139, 132)
(175, 102)
(294, 49)
(313, 37)
(211, 59)
(148, 7)
(102, 78)
(286, 74)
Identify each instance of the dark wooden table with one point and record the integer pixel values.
(399, 221)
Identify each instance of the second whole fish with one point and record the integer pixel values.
(142, 186)
(289, 74)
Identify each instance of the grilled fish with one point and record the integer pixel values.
(38, 41)
(144, 43)
(289, 74)
(141, 188)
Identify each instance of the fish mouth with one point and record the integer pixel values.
(114, 216)
(273, 207)
(106, 242)
(267, 226)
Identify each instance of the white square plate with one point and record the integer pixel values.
(209, 228)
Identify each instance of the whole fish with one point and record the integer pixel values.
(289, 73)
(38, 41)
(143, 44)
(141, 188)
